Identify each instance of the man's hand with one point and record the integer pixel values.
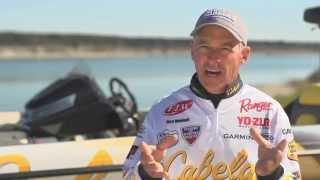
(151, 156)
(269, 157)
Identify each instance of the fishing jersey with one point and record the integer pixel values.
(214, 142)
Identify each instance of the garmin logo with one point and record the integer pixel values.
(266, 136)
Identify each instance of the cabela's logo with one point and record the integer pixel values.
(178, 108)
(190, 133)
(239, 168)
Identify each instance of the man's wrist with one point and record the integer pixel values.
(144, 175)
(276, 174)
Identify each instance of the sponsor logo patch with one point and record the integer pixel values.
(238, 168)
(178, 108)
(292, 151)
(266, 136)
(167, 132)
(190, 133)
(237, 136)
(173, 121)
(132, 151)
(247, 121)
(247, 105)
(286, 131)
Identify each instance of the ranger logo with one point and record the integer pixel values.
(247, 105)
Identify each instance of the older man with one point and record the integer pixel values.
(217, 127)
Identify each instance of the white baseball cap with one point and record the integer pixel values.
(224, 18)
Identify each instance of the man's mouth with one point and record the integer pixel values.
(212, 72)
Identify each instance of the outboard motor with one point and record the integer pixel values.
(312, 15)
(71, 105)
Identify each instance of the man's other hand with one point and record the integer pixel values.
(151, 156)
(269, 157)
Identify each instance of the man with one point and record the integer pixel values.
(218, 127)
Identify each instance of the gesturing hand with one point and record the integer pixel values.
(269, 157)
(151, 156)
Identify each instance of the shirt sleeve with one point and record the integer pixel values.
(282, 130)
(146, 134)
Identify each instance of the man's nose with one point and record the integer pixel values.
(214, 56)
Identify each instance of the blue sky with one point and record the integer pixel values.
(266, 19)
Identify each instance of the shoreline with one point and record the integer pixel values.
(40, 54)
(46, 46)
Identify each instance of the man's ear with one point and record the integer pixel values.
(246, 51)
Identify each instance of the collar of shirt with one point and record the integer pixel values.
(200, 91)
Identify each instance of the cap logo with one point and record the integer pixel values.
(218, 13)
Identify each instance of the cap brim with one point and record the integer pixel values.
(235, 34)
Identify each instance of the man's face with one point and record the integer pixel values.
(217, 56)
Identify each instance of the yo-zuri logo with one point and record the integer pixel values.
(178, 108)
(247, 105)
(253, 121)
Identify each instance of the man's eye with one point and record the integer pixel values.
(203, 47)
(226, 49)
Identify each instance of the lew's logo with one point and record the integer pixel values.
(247, 105)
(253, 121)
(178, 108)
(190, 133)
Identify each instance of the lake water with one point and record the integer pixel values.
(149, 78)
